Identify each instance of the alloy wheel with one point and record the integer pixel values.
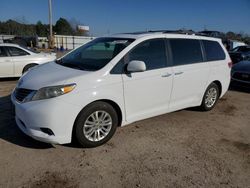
(211, 97)
(97, 126)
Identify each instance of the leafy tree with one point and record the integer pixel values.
(41, 29)
(74, 25)
(63, 27)
(12, 27)
(246, 39)
(230, 35)
(20, 27)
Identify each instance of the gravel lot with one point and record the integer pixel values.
(187, 148)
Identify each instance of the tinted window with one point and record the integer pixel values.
(186, 51)
(152, 52)
(17, 51)
(213, 50)
(2, 52)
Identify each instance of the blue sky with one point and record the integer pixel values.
(114, 16)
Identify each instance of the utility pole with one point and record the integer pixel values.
(50, 25)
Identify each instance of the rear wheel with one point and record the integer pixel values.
(96, 124)
(210, 97)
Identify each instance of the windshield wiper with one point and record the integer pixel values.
(71, 65)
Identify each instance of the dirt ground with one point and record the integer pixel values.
(187, 148)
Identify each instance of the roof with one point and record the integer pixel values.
(9, 44)
(207, 31)
(165, 33)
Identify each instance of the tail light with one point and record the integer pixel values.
(230, 64)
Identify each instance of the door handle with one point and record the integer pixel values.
(178, 73)
(7, 61)
(166, 75)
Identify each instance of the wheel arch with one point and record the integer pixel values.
(116, 107)
(218, 83)
(111, 102)
(28, 65)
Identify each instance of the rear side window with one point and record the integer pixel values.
(213, 50)
(2, 52)
(186, 51)
(152, 52)
(17, 51)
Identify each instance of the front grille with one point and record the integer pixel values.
(21, 94)
(242, 76)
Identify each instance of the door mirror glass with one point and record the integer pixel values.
(136, 66)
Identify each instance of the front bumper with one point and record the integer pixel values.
(54, 114)
(240, 84)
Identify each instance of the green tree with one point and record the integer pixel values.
(63, 27)
(74, 23)
(246, 39)
(12, 27)
(41, 29)
(231, 35)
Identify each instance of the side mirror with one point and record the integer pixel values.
(136, 66)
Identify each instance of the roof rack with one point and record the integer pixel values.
(180, 31)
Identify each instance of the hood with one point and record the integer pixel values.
(243, 66)
(48, 74)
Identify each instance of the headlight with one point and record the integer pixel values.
(49, 92)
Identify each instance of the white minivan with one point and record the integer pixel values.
(116, 80)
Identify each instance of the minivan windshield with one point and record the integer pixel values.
(95, 54)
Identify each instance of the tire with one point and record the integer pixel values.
(87, 126)
(210, 97)
(27, 67)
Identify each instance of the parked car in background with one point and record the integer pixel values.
(26, 41)
(240, 74)
(15, 60)
(240, 53)
(233, 44)
(113, 81)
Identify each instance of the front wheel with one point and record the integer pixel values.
(96, 124)
(210, 97)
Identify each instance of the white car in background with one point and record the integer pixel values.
(15, 60)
